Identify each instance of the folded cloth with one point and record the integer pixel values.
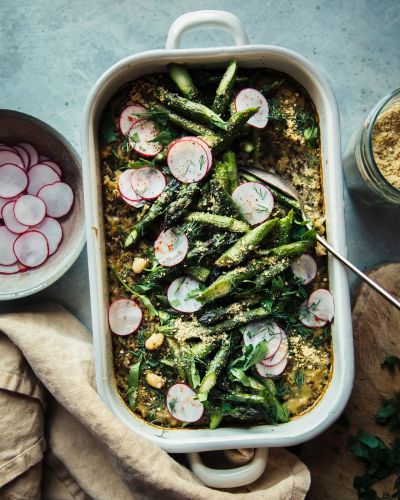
(58, 440)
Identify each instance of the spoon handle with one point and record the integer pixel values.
(359, 273)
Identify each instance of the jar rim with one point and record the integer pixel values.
(368, 133)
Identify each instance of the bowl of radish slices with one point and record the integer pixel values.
(41, 205)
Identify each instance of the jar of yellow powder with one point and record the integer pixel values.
(372, 158)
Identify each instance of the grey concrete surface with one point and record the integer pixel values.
(53, 51)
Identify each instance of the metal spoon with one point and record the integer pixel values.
(287, 188)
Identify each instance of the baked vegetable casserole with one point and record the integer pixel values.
(219, 304)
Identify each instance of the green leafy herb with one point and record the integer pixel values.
(391, 362)
(164, 138)
(299, 379)
(389, 414)
(251, 357)
(108, 130)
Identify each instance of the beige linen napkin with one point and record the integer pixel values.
(70, 446)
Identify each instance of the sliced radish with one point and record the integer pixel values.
(204, 145)
(4, 201)
(281, 353)
(31, 248)
(321, 304)
(4, 147)
(256, 331)
(55, 166)
(179, 294)
(129, 116)
(40, 175)
(254, 200)
(171, 247)
(13, 180)
(12, 269)
(125, 186)
(29, 210)
(124, 316)
(7, 157)
(133, 203)
(182, 403)
(272, 371)
(23, 155)
(33, 154)
(7, 240)
(52, 230)
(148, 182)
(140, 136)
(187, 160)
(10, 220)
(252, 98)
(58, 198)
(305, 268)
(308, 317)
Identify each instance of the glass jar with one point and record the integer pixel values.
(363, 177)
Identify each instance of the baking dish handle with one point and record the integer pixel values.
(208, 19)
(230, 478)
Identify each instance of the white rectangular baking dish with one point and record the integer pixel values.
(248, 56)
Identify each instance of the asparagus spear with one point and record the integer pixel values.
(188, 125)
(265, 276)
(179, 358)
(285, 226)
(212, 247)
(218, 221)
(239, 320)
(275, 411)
(177, 209)
(221, 175)
(216, 314)
(199, 273)
(221, 201)
(234, 127)
(202, 349)
(231, 169)
(214, 369)
(156, 210)
(192, 110)
(226, 283)
(246, 244)
(289, 250)
(181, 76)
(224, 90)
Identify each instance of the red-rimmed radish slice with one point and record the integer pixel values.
(7, 240)
(179, 294)
(55, 166)
(252, 98)
(12, 269)
(40, 175)
(7, 157)
(23, 155)
(33, 154)
(254, 200)
(141, 135)
(256, 331)
(171, 247)
(321, 304)
(305, 268)
(187, 160)
(52, 230)
(204, 145)
(124, 316)
(182, 403)
(3, 203)
(31, 248)
(149, 182)
(4, 147)
(10, 220)
(281, 353)
(133, 203)
(29, 210)
(13, 180)
(272, 371)
(129, 116)
(308, 318)
(125, 186)
(58, 198)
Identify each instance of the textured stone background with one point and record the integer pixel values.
(52, 52)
